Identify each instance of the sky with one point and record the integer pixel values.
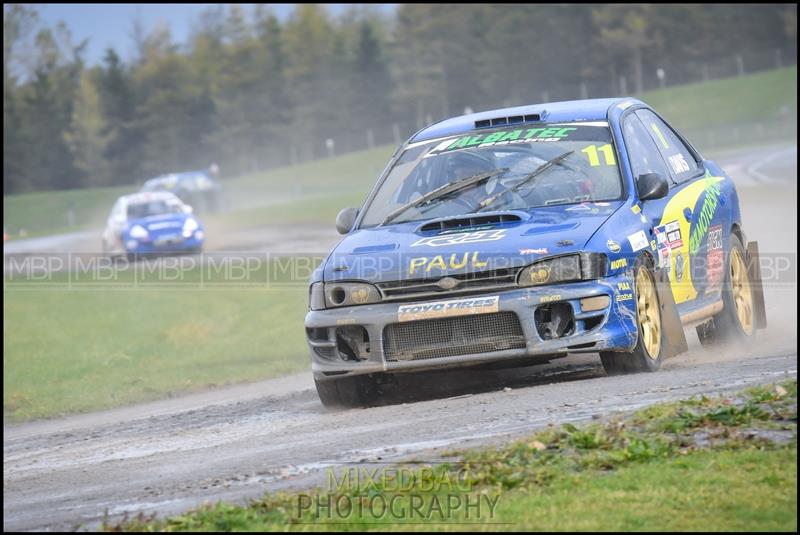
(110, 24)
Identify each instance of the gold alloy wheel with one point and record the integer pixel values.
(648, 312)
(742, 297)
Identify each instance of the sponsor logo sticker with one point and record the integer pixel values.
(638, 241)
(444, 309)
(714, 258)
(613, 246)
(442, 262)
(619, 263)
(542, 250)
(550, 298)
(359, 295)
(465, 237)
(540, 275)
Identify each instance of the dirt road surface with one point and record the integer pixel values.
(237, 442)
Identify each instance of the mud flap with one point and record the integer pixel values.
(673, 337)
(754, 274)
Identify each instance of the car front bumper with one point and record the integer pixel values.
(613, 328)
(169, 245)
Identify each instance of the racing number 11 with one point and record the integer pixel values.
(594, 160)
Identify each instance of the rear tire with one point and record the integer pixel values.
(348, 392)
(648, 320)
(736, 322)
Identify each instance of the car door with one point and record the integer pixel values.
(669, 218)
(695, 214)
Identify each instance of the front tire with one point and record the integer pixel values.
(348, 392)
(649, 351)
(736, 322)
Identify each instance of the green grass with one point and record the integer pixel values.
(719, 464)
(45, 212)
(760, 97)
(720, 491)
(72, 346)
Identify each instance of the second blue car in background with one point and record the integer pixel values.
(151, 223)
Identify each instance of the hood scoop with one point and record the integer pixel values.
(468, 222)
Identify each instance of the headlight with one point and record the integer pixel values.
(138, 231)
(342, 294)
(189, 226)
(575, 267)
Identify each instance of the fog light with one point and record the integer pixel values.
(598, 302)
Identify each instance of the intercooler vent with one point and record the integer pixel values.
(452, 337)
(465, 223)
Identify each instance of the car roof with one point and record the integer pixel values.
(179, 176)
(148, 196)
(551, 112)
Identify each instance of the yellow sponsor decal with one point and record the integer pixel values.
(683, 289)
(540, 275)
(635, 209)
(550, 298)
(619, 263)
(444, 309)
(359, 295)
(624, 286)
(345, 321)
(624, 297)
(443, 262)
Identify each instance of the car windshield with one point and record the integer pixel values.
(152, 208)
(583, 169)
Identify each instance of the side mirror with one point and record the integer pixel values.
(651, 186)
(187, 209)
(345, 220)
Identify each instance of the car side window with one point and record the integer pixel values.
(642, 151)
(682, 165)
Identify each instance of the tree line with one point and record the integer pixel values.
(250, 91)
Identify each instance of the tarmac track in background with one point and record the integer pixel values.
(237, 442)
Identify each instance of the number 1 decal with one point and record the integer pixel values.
(594, 159)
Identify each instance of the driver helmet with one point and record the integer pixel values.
(461, 165)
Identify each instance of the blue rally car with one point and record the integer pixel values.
(525, 234)
(152, 223)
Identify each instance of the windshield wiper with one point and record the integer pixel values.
(445, 190)
(528, 179)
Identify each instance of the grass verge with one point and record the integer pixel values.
(722, 464)
(73, 346)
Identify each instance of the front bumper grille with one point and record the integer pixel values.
(482, 281)
(451, 337)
